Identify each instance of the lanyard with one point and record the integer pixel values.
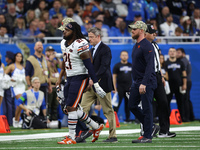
(41, 64)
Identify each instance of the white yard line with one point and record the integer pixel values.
(62, 134)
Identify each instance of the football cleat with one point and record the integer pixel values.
(67, 140)
(97, 132)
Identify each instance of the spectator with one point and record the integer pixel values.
(178, 33)
(196, 18)
(53, 25)
(19, 26)
(31, 102)
(36, 66)
(1, 77)
(3, 7)
(20, 7)
(56, 9)
(53, 64)
(43, 29)
(122, 32)
(87, 25)
(70, 13)
(87, 11)
(152, 9)
(2, 20)
(10, 17)
(18, 78)
(188, 26)
(162, 65)
(105, 27)
(176, 7)
(30, 16)
(122, 82)
(135, 8)
(168, 28)
(115, 28)
(162, 17)
(33, 31)
(110, 6)
(108, 19)
(3, 34)
(104, 32)
(188, 111)
(101, 55)
(40, 9)
(8, 101)
(137, 17)
(190, 7)
(177, 80)
(97, 8)
(31, 4)
(60, 18)
(45, 16)
(121, 9)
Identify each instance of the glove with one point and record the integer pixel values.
(99, 90)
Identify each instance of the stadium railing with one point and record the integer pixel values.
(109, 40)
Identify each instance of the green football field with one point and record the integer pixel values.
(188, 137)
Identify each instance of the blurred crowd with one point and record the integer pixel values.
(41, 18)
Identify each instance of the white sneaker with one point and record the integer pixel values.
(16, 123)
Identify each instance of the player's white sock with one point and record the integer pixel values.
(72, 121)
(84, 117)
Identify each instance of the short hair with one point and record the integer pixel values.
(124, 51)
(181, 49)
(178, 29)
(34, 78)
(96, 31)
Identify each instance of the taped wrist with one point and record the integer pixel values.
(89, 66)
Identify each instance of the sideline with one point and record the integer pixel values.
(62, 134)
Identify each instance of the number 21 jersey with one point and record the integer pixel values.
(71, 56)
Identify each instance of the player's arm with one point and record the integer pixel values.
(115, 82)
(184, 87)
(86, 58)
(62, 73)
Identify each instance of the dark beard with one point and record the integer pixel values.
(67, 38)
(136, 36)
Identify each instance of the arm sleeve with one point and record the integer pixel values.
(149, 59)
(115, 69)
(29, 71)
(43, 106)
(22, 99)
(89, 66)
(105, 63)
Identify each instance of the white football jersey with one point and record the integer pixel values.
(168, 30)
(71, 56)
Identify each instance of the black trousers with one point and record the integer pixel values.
(174, 88)
(162, 105)
(122, 94)
(189, 114)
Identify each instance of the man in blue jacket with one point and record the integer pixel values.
(144, 80)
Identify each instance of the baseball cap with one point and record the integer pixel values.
(34, 78)
(138, 25)
(17, 1)
(150, 29)
(10, 55)
(186, 18)
(49, 48)
(65, 22)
